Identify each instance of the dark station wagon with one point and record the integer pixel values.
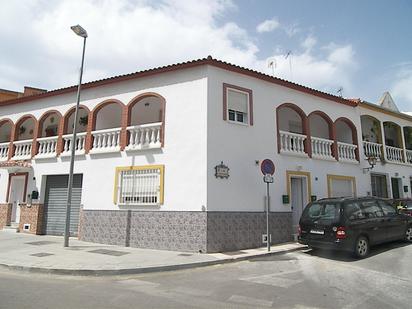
(352, 224)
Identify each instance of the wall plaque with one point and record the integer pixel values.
(221, 171)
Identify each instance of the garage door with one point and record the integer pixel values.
(341, 187)
(55, 204)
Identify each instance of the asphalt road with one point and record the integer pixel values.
(304, 279)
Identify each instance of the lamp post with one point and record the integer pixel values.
(82, 33)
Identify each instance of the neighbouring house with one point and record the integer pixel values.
(169, 158)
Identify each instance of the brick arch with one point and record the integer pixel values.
(327, 119)
(399, 132)
(305, 125)
(44, 117)
(21, 120)
(69, 113)
(99, 106)
(8, 120)
(136, 100)
(378, 121)
(354, 132)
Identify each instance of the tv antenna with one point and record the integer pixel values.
(289, 56)
(340, 91)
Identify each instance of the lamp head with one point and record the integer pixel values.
(372, 161)
(79, 30)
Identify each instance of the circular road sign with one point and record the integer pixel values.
(267, 167)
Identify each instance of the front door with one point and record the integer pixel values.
(298, 188)
(16, 195)
(395, 188)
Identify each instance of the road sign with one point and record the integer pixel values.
(267, 167)
(268, 178)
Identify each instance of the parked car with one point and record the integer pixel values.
(404, 206)
(352, 224)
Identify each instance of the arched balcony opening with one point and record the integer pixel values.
(321, 135)
(393, 142)
(347, 141)
(407, 133)
(24, 132)
(48, 132)
(292, 129)
(145, 125)
(81, 130)
(372, 137)
(6, 127)
(107, 126)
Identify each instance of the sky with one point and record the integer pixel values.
(362, 47)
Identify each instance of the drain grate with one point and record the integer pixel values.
(185, 254)
(40, 243)
(109, 252)
(41, 254)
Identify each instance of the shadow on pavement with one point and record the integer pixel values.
(348, 257)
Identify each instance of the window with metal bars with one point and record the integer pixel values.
(140, 186)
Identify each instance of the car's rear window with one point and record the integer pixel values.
(325, 212)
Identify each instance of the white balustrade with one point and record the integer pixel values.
(47, 147)
(372, 149)
(394, 154)
(347, 152)
(408, 156)
(144, 136)
(292, 143)
(106, 140)
(4, 151)
(22, 149)
(79, 144)
(321, 148)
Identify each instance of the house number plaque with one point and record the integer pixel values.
(221, 171)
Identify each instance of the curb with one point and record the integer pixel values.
(143, 270)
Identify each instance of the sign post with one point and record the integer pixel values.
(268, 169)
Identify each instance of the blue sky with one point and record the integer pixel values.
(365, 47)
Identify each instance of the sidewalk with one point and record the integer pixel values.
(46, 254)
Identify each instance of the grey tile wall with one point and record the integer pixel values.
(183, 231)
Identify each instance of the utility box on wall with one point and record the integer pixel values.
(285, 199)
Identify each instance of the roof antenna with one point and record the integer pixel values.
(289, 55)
(272, 64)
(340, 90)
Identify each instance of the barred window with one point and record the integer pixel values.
(140, 185)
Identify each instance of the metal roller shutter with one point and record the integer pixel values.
(55, 204)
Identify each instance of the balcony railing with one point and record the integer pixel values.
(394, 154)
(22, 149)
(4, 151)
(79, 144)
(372, 149)
(347, 152)
(292, 143)
(47, 147)
(144, 136)
(408, 156)
(321, 148)
(106, 140)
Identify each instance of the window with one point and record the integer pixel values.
(371, 210)
(388, 210)
(353, 211)
(379, 185)
(139, 185)
(237, 104)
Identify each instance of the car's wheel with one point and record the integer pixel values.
(361, 247)
(408, 234)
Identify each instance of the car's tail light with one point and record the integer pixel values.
(341, 233)
(299, 231)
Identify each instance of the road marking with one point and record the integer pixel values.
(250, 301)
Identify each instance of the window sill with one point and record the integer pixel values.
(239, 123)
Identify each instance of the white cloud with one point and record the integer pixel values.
(401, 89)
(127, 36)
(268, 25)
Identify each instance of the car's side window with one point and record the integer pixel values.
(371, 209)
(388, 210)
(353, 211)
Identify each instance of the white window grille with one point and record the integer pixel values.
(140, 186)
(237, 105)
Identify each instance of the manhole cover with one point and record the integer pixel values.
(40, 243)
(41, 254)
(109, 252)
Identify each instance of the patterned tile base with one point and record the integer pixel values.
(183, 231)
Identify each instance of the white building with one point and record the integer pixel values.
(151, 141)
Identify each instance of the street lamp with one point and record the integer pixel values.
(82, 33)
